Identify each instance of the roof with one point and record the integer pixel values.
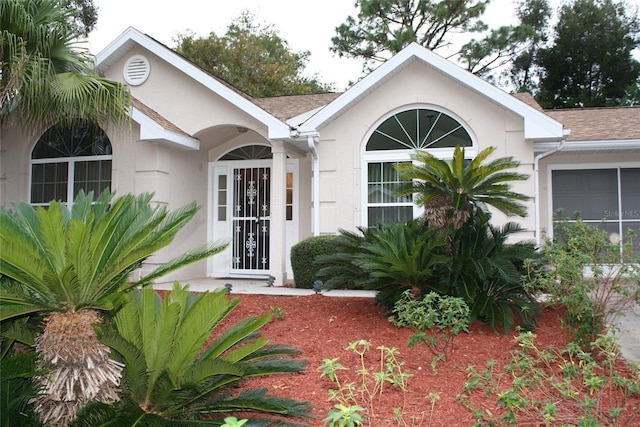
(600, 124)
(286, 107)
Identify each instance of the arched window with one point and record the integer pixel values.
(67, 159)
(393, 142)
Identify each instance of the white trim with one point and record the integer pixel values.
(150, 130)
(596, 145)
(276, 128)
(578, 166)
(537, 125)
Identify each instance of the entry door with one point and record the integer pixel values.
(251, 219)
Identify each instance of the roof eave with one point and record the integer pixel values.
(150, 130)
(594, 145)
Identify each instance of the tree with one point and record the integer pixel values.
(515, 47)
(84, 15)
(449, 190)
(253, 58)
(46, 77)
(176, 374)
(384, 27)
(590, 62)
(70, 265)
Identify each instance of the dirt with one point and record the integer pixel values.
(323, 327)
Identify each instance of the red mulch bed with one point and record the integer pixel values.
(322, 327)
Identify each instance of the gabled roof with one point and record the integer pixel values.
(131, 37)
(538, 126)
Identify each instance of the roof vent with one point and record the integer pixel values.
(136, 70)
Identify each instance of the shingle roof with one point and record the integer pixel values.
(593, 124)
(599, 124)
(286, 107)
(155, 116)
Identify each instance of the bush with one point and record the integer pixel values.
(303, 258)
(388, 258)
(489, 275)
(593, 278)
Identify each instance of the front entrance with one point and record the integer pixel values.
(250, 219)
(240, 208)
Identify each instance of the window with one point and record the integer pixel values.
(608, 198)
(393, 142)
(289, 195)
(67, 159)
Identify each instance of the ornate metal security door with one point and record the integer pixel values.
(251, 219)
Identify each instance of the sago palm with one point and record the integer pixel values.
(177, 374)
(70, 264)
(46, 75)
(450, 190)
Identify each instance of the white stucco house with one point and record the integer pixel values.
(271, 172)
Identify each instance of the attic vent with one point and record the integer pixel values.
(136, 70)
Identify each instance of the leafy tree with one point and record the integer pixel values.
(515, 47)
(45, 76)
(84, 15)
(449, 190)
(590, 62)
(383, 27)
(71, 264)
(253, 58)
(172, 376)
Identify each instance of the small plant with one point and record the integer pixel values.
(233, 422)
(435, 320)
(595, 280)
(345, 416)
(353, 397)
(277, 312)
(554, 387)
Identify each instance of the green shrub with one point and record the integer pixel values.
(389, 258)
(435, 319)
(303, 258)
(489, 274)
(593, 278)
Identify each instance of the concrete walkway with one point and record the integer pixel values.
(628, 329)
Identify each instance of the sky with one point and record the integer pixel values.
(304, 24)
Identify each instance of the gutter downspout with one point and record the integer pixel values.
(536, 183)
(311, 142)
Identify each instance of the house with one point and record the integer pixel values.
(271, 172)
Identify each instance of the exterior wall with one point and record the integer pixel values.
(342, 141)
(568, 160)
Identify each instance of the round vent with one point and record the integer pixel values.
(136, 70)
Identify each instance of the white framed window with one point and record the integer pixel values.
(393, 141)
(67, 159)
(606, 196)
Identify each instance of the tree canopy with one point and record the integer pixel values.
(590, 61)
(384, 27)
(46, 75)
(252, 57)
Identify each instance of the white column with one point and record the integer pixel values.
(277, 245)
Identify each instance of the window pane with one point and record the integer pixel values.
(418, 129)
(79, 139)
(630, 183)
(382, 214)
(49, 182)
(635, 226)
(92, 176)
(591, 193)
